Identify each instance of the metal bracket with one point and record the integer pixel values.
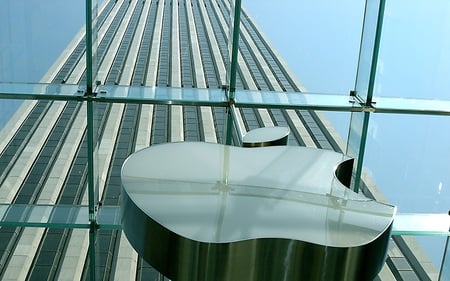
(355, 99)
(368, 108)
(81, 91)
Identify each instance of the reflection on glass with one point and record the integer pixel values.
(414, 59)
(33, 34)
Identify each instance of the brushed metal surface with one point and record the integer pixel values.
(200, 211)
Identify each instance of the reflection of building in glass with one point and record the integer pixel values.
(141, 43)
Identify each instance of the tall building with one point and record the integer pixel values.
(178, 45)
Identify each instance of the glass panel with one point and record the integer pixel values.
(406, 163)
(8, 110)
(413, 106)
(406, 156)
(337, 124)
(306, 127)
(414, 58)
(421, 224)
(408, 261)
(431, 259)
(445, 268)
(93, 271)
(319, 40)
(231, 62)
(294, 100)
(109, 247)
(230, 58)
(160, 95)
(95, 118)
(356, 145)
(96, 23)
(40, 91)
(44, 215)
(217, 131)
(43, 154)
(423, 253)
(35, 36)
(109, 217)
(369, 49)
(116, 259)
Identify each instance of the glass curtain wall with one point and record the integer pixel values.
(391, 109)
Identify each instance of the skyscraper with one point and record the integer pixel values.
(178, 45)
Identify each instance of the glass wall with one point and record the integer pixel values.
(34, 34)
(346, 55)
(445, 270)
(407, 158)
(413, 60)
